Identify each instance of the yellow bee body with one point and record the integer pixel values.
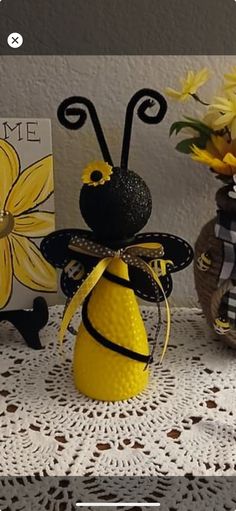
(113, 311)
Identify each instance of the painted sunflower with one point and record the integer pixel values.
(21, 193)
(96, 173)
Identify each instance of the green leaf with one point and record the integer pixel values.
(185, 145)
(201, 126)
(177, 127)
(190, 123)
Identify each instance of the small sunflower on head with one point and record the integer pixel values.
(97, 173)
(212, 136)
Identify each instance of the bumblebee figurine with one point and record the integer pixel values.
(107, 267)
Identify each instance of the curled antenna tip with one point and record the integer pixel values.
(153, 98)
(73, 116)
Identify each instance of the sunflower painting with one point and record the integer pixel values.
(26, 216)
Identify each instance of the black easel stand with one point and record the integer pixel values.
(29, 322)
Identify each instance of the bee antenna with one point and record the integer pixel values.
(69, 108)
(154, 97)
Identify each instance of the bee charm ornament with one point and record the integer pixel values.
(107, 267)
(221, 326)
(204, 261)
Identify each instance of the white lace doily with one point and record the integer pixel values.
(183, 423)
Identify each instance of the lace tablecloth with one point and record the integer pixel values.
(184, 422)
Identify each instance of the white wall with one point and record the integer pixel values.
(182, 191)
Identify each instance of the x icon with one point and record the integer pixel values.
(15, 40)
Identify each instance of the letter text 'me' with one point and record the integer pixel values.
(21, 131)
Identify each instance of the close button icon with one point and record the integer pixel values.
(15, 40)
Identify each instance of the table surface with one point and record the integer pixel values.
(184, 422)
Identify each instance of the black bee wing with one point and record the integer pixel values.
(54, 247)
(176, 250)
(75, 267)
(143, 287)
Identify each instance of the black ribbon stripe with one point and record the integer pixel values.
(117, 280)
(139, 357)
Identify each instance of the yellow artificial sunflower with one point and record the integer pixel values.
(230, 80)
(189, 85)
(21, 193)
(96, 173)
(226, 108)
(219, 155)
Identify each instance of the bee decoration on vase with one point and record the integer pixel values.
(106, 267)
(204, 261)
(221, 325)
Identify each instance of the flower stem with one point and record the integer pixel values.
(196, 97)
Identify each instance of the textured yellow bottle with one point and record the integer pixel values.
(99, 372)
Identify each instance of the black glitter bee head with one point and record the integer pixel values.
(115, 202)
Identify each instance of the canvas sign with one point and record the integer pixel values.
(26, 211)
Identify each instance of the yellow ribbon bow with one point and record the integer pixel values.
(132, 256)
